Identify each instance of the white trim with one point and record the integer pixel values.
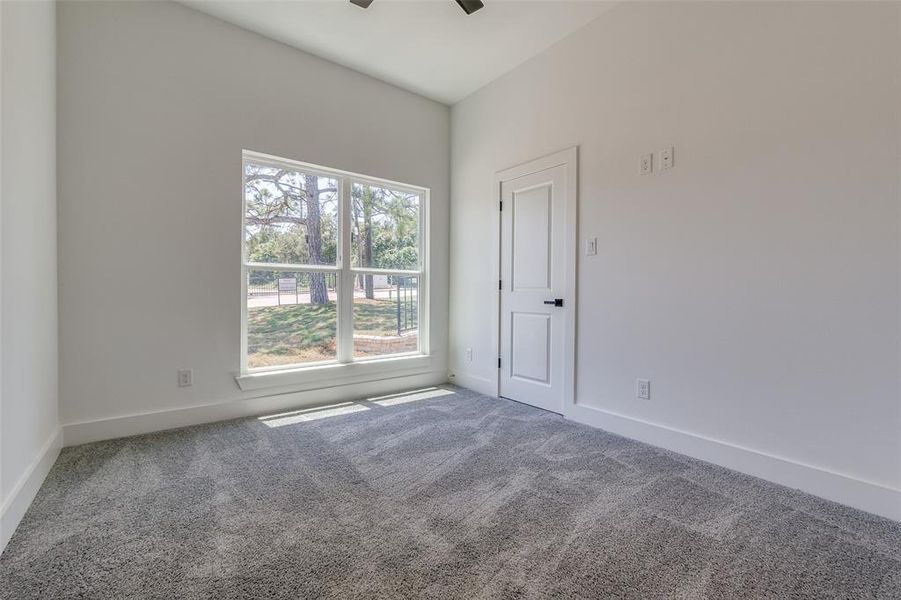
(345, 287)
(374, 271)
(476, 383)
(258, 266)
(242, 364)
(280, 162)
(845, 489)
(423, 281)
(563, 157)
(21, 496)
(332, 374)
(135, 424)
(568, 158)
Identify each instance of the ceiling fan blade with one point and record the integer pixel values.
(470, 6)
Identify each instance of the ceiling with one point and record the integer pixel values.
(430, 47)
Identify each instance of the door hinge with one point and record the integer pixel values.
(500, 205)
(498, 363)
(500, 284)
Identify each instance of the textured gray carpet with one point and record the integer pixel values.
(443, 495)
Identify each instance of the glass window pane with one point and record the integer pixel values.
(384, 227)
(386, 315)
(290, 217)
(291, 318)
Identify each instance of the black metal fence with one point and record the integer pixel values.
(294, 288)
(407, 289)
(287, 287)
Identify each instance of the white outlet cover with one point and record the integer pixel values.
(643, 389)
(185, 377)
(646, 165)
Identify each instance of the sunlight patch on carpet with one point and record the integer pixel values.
(414, 396)
(312, 414)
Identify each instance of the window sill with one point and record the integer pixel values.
(317, 377)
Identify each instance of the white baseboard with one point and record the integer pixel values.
(844, 489)
(482, 385)
(19, 499)
(123, 426)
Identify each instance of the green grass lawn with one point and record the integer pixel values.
(280, 335)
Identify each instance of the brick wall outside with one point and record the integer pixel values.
(396, 344)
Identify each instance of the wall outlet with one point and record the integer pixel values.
(666, 158)
(469, 354)
(185, 377)
(591, 247)
(643, 389)
(647, 164)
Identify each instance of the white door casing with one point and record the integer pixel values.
(537, 266)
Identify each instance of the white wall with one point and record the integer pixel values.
(757, 283)
(156, 102)
(29, 432)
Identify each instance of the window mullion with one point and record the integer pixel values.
(345, 277)
(376, 271)
(313, 268)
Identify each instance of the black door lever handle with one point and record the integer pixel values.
(556, 302)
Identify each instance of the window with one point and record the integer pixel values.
(333, 266)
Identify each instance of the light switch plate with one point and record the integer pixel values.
(666, 158)
(591, 246)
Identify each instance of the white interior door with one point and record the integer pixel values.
(533, 306)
